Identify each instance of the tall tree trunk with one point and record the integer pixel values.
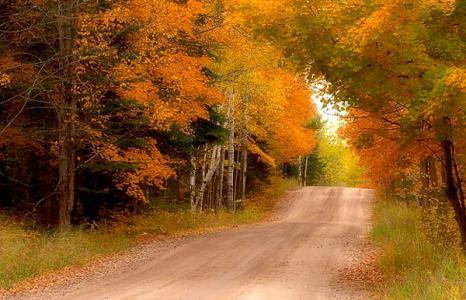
(207, 177)
(459, 183)
(204, 161)
(211, 189)
(67, 26)
(300, 171)
(452, 190)
(305, 170)
(236, 177)
(220, 179)
(244, 145)
(231, 155)
(192, 182)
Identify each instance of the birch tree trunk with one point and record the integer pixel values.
(231, 155)
(244, 145)
(220, 180)
(236, 176)
(211, 190)
(207, 177)
(300, 170)
(192, 182)
(67, 26)
(305, 171)
(204, 161)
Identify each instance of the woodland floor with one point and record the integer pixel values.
(305, 253)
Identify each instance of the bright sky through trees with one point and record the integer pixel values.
(330, 116)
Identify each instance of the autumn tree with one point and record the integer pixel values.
(118, 79)
(109, 104)
(400, 62)
(261, 96)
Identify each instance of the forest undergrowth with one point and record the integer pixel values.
(420, 256)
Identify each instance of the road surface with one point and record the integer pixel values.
(295, 257)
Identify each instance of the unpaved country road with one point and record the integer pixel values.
(296, 257)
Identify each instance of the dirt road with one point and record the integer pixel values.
(296, 257)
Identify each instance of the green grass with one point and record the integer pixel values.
(418, 262)
(24, 254)
(28, 253)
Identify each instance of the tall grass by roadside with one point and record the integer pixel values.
(28, 253)
(417, 262)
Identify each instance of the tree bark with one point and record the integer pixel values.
(211, 189)
(192, 182)
(231, 155)
(459, 183)
(452, 190)
(207, 177)
(67, 26)
(236, 177)
(300, 170)
(204, 161)
(244, 145)
(220, 180)
(305, 171)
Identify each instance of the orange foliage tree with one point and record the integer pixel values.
(399, 62)
(117, 101)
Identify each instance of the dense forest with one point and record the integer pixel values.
(108, 105)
